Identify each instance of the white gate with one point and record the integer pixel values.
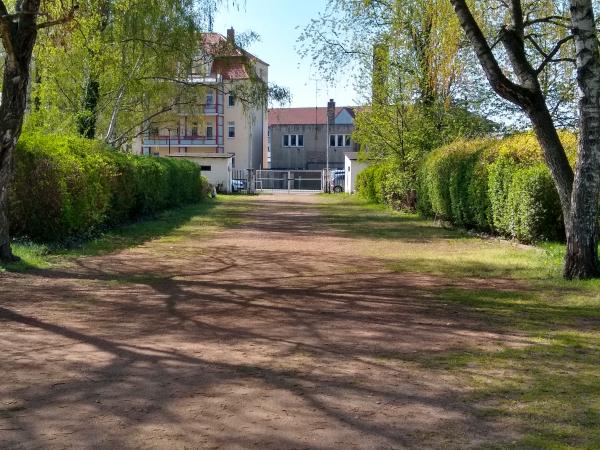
(290, 180)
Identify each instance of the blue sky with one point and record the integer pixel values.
(279, 23)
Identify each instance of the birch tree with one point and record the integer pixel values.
(517, 32)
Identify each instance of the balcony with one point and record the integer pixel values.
(212, 109)
(180, 141)
(206, 110)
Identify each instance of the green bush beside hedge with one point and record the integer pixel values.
(501, 186)
(386, 183)
(69, 186)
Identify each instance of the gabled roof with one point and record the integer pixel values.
(217, 45)
(303, 116)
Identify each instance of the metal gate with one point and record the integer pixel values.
(290, 180)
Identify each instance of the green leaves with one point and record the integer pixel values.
(68, 186)
(501, 186)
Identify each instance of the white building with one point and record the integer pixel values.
(352, 167)
(216, 167)
(220, 123)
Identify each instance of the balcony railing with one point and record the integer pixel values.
(179, 141)
(211, 109)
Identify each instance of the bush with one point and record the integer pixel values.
(66, 186)
(369, 184)
(386, 183)
(494, 185)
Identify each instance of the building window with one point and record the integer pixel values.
(205, 168)
(194, 129)
(231, 130)
(209, 131)
(340, 140)
(209, 99)
(231, 100)
(293, 140)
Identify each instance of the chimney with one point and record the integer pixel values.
(331, 112)
(231, 35)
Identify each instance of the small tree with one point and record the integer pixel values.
(518, 33)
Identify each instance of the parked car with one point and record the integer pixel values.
(238, 185)
(338, 179)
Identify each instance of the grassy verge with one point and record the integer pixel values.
(168, 226)
(547, 390)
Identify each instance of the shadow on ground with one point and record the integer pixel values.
(278, 333)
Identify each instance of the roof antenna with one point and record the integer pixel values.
(211, 18)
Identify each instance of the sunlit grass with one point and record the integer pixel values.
(167, 227)
(548, 388)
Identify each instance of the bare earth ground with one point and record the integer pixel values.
(279, 332)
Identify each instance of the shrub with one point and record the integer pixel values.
(369, 184)
(386, 183)
(67, 186)
(494, 185)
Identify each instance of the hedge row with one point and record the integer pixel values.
(499, 186)
(68, 186)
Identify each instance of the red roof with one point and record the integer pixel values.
(217, 45)
(302, 116)
(230, 61)
(231, 68)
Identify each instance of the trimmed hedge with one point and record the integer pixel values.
(67, 186)
(502, 186)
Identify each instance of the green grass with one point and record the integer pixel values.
(169, 226)
(548, 387)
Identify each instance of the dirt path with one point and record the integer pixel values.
(276, 333)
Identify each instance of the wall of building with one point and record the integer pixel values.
(353, 168)
(312, 156)
(248, 143)
(220, 169)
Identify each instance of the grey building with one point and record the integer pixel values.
(299, 137)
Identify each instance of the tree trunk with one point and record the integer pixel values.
(582, 234)
(18, 39)
(6, 254)
(554, 153)
(86, 122)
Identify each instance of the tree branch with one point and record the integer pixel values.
(65, 19)
(6, 31)
(517, 15)
(550, 56)
(554, 20)
(498, 80)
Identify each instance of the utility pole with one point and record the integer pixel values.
(328, 187)
(317, 90)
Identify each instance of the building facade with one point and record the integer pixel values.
(306, 138)
(218, 122)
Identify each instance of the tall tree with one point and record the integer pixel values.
(579, 191)
(111, 70)
(18, 32)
